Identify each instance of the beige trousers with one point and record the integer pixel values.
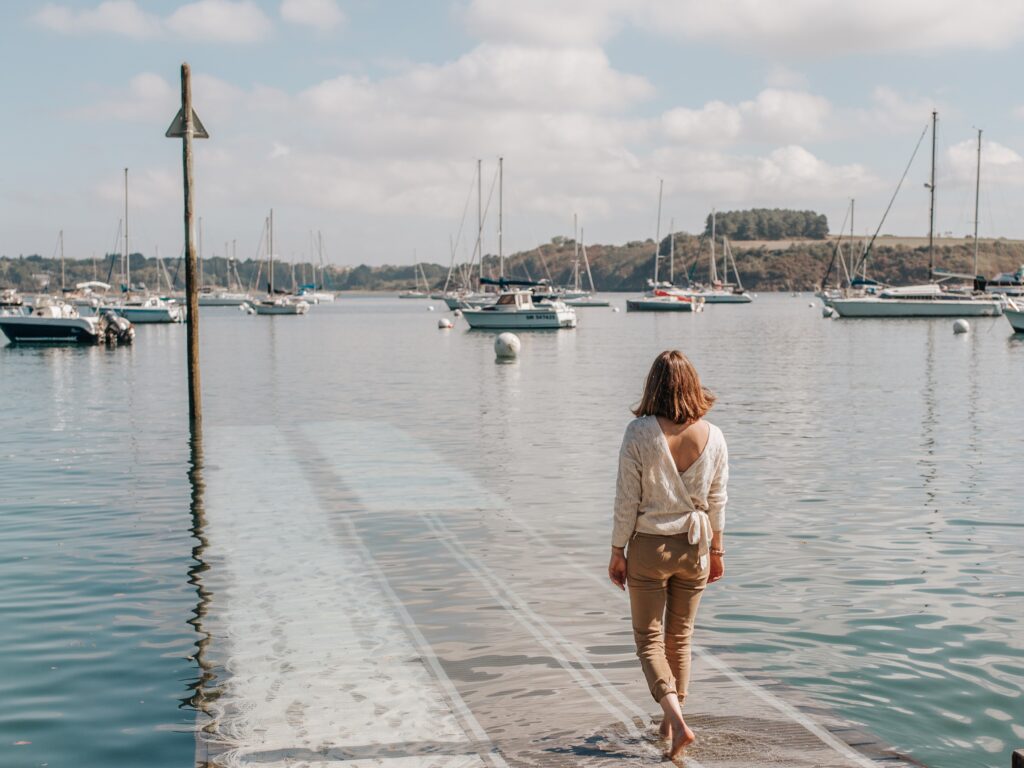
(665, 582)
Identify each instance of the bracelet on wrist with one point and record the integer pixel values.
(719, 552)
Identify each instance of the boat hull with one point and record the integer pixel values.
(48, 330)
(222, 301)
(587, 302)
(875, 307)
(662, 304)
(1016, 318)
(298, 308)
(493, 320)
(148, 315)
(725, 298)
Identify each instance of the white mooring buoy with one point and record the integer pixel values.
(506, 346)
(444, 323)
(615, 309)
(430, 308)
(961, 326)
(457, 313)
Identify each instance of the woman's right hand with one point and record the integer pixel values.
(617, 567)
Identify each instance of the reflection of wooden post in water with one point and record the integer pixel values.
(202, 689)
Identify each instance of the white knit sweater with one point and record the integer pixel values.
(652, 496)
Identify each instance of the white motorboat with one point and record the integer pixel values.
(57, 322)
(1015, 314)
(515, 311)
(147, 310)
(928, 300)
(281, 305)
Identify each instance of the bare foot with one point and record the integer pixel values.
(681, 739)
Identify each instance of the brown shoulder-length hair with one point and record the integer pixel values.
(673, 390)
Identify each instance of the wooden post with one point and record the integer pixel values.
(1018, 759)
(195, 405)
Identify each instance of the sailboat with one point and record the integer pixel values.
(721, 291)
(514, 308)
(929, 299)
(584, 298)
(416, 293)
(146, 308)
(317, 292)
(664, 296)
(276, 304)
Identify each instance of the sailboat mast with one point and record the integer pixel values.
(201, 279)
(576, 253)
(977, 190)
(62, 261)
(657, 233)
(479, 217)
(931, 208)
(852, 251)
(586, 261)
(126, 267)
(672, 251)
(501, 253)
(270, 251)
(713, 274)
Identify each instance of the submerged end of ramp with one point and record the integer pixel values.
(364, 624)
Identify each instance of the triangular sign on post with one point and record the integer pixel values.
(177, 129)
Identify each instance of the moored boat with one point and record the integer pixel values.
(151, 309)
(1015, 315)
(515, 310)
(929, 300)
(281, 305)
(57, 322)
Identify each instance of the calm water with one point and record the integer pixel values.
(875, 536)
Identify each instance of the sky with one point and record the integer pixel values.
(364, 119)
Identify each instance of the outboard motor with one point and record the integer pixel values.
(116, 329)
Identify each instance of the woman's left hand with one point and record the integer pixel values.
(717, 568)
(617, 568)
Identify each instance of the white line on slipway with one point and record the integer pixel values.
(327, 439)
(321, 655)
(371, 450)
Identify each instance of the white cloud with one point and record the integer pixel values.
(322, 14)
(540, 22)
(223, 21)
(150, 98)
(789, 175)
(773, 116)
(496, 77)
(149, 189)
(227, 21)
(117, 17)
(786, 27)
(997, 162)
(780, 76)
